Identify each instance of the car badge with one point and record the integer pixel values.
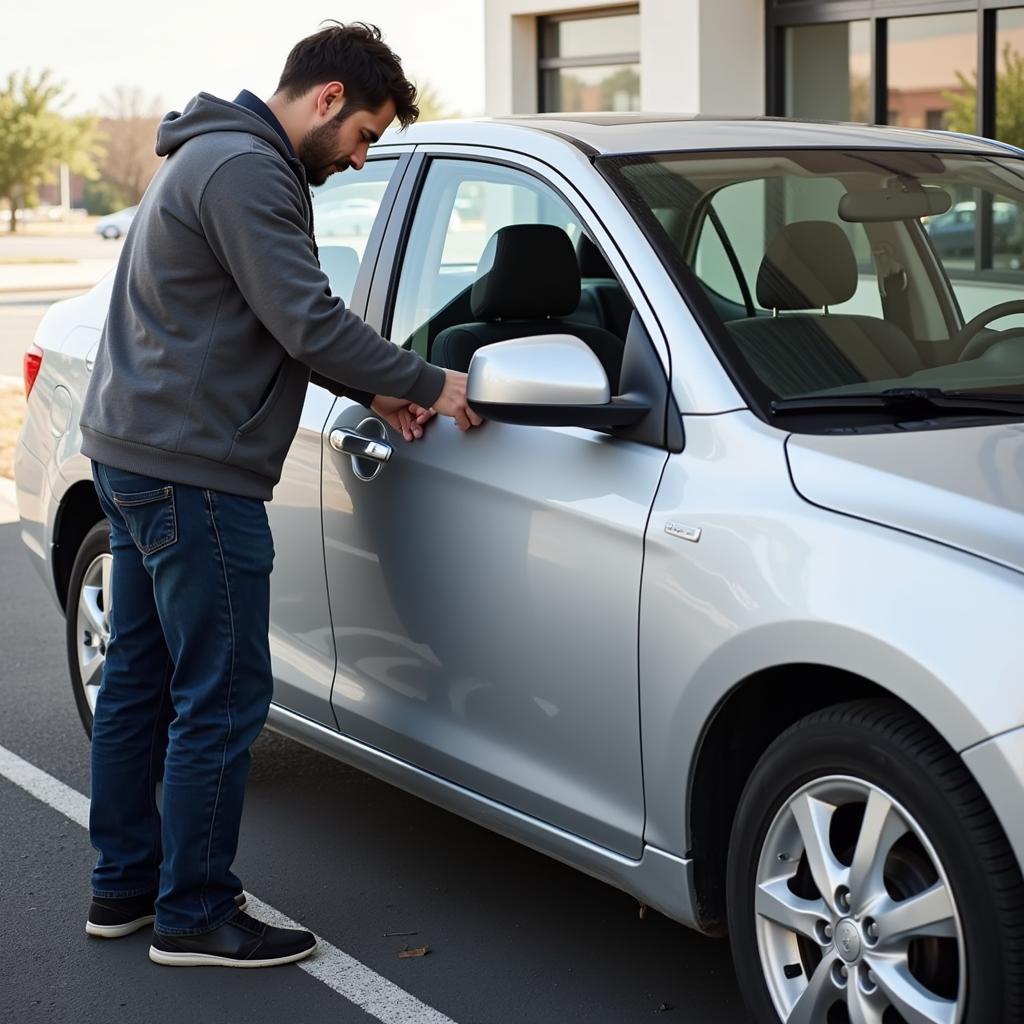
(691, 533)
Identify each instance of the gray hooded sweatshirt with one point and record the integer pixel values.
(220, 310)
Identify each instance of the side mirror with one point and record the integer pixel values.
(550, 380)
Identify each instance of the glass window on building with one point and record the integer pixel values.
(933, 62)
(590, 63)
(828, 71)
(1010, 76)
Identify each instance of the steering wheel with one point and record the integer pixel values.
(973, 345)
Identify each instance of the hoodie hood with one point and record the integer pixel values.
(961, 486)
(206, 113)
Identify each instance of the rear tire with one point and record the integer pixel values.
(808, 807)
(86, 629)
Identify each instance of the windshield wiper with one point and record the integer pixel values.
(911, 400)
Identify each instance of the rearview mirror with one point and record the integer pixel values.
(552, 380)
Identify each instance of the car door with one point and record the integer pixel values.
(301, 642)
(484, 586)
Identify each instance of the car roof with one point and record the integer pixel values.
(620, 133)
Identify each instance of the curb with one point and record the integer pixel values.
(42, 289)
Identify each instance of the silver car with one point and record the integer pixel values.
(719, 604)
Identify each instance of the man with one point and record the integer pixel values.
(218, 314)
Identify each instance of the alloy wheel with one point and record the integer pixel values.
(94, 625)
(855, 918)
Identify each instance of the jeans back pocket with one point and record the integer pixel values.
(150, 517)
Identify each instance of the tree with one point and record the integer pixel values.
(962, 115)
(130, 121)
(35, 138)
(432, 108)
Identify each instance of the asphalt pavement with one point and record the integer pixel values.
(20, 314)
(513, 936)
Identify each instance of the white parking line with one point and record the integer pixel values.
(336, 969)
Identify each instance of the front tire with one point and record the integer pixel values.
(88, 619)
(869, 881)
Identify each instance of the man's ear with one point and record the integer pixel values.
(330, 98)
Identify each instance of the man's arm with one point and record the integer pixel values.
(253, 216)
(342, 390)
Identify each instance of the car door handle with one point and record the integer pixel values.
(349, 442)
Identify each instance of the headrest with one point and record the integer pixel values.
(808, 265)
(591, 260)
(529, 272)
(341, 265)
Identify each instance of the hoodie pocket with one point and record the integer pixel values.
(267, 407)
(262, 442)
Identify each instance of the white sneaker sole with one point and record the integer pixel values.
(160, 956)
(117, 931)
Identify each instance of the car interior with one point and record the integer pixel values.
(823, 271)
(531, 279)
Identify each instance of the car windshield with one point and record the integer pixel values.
(825, 273)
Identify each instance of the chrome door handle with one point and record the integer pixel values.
(349, 442)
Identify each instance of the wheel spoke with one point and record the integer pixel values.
(928, 913)
(814, 1001)
(776, 902)
(881, 827)
(89, 606)
(813, 818)
(90, 670)
(914, 1002)
(106, 565)
(864, 1007)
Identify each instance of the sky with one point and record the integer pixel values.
(174, 50)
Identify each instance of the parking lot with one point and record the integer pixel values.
(512, 936)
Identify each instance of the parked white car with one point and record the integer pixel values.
(115, 225)
(720, 604)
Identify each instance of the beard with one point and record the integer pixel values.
(316, 152)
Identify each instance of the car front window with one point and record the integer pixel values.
(831, 273)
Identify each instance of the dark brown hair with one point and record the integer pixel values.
(356, 56)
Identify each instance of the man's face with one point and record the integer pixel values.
(336, 145)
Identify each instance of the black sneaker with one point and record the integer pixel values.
(112, 918)
(241, 941)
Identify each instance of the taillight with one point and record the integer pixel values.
(33, 361)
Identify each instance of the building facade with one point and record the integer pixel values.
(955, 64)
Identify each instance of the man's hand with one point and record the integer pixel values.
(452, 401)
(403, 415)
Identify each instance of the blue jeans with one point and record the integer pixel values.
(186, 689)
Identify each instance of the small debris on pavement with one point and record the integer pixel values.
(663, 1007)
(643, 911)
(418, 951)
(389, 934)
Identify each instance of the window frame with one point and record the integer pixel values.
(384, 286)
(402, 156)
(547, 62)
(752, 390)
